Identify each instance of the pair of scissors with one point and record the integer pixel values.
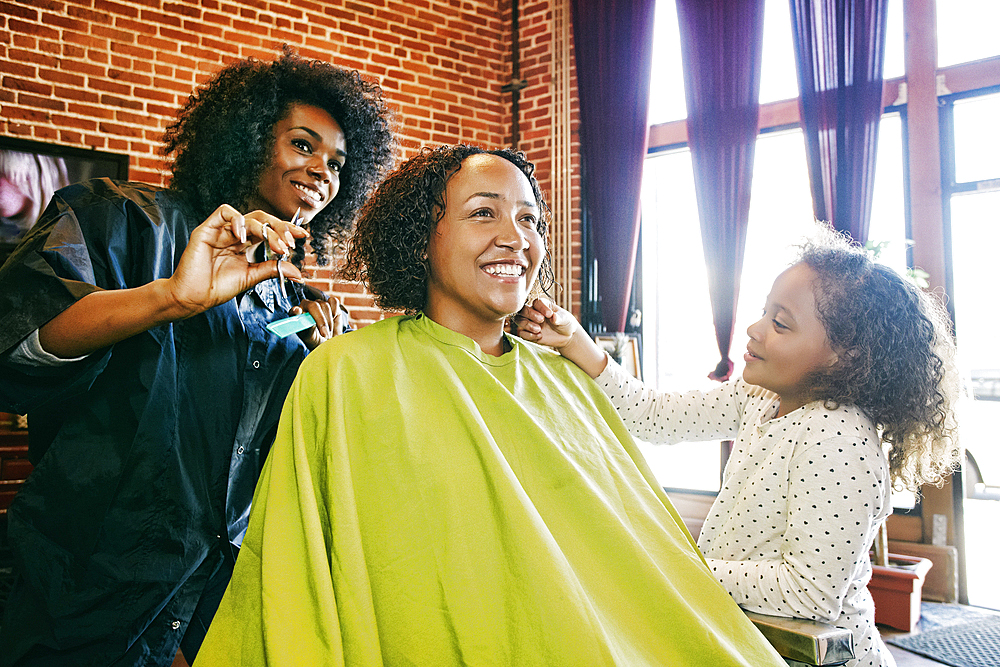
(297, 221)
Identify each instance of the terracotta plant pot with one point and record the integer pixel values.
(896, 591)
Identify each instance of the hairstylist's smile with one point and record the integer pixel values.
(309, 194)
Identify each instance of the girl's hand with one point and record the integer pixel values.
(214, 266)
(542, 321)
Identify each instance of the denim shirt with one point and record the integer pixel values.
(146, 453)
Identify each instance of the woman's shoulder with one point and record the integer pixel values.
(106, 208)
(109, 189)
(543, 352)
(368, 342)
(108, 200)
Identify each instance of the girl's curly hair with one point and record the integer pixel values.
(896, 357)
(388, 250)
(223, 137)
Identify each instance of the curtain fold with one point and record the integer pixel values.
(721, 44)
(839, 51)
(613, 42)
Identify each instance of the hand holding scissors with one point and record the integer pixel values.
(270, 254)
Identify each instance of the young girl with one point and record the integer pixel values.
(849, 386)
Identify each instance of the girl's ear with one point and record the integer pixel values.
(837, 357)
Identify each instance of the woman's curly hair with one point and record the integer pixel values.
(223, 138)
(896, 357)
(388, 250)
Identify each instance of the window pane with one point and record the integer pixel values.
(967, 30)
(975, 233)
(977, 138)
(982, 516)
(888, 219)
(678, 338)
(894, 64)
(778, 79)
(666, 83)
(777, 68)
(671, 242)
(902, 499)
(781, 215)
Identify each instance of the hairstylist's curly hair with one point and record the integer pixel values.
(388, 251)
(896, 357)
(223, 137)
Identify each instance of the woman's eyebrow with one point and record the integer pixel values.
(487, 195)
(315, 135)
(495, 195)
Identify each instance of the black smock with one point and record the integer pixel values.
(147, 453)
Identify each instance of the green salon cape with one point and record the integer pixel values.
(428, 504)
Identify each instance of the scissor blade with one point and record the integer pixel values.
(281, 278)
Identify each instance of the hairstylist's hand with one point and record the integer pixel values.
(544, 322)
(331, 320)
(214, 267)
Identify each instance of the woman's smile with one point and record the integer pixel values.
(507, 271)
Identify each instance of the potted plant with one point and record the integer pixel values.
(896, 585)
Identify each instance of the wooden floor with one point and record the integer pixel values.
(953, 613)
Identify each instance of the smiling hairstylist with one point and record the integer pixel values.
(132, 332)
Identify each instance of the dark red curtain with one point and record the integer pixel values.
(839, 50)
(721, 43)
(613, 43)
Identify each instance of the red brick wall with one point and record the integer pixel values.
(110, 75)
(536, 115)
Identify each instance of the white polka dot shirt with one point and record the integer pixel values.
(802, 498)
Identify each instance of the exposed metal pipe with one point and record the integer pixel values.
(561, 155)
(517, 84)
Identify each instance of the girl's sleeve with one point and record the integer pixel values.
(668, 417)
(836, 496)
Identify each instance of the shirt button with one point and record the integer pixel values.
(175, 625)
(239, 450)
(256, 364)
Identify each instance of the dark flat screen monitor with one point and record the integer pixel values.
(30, 171)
